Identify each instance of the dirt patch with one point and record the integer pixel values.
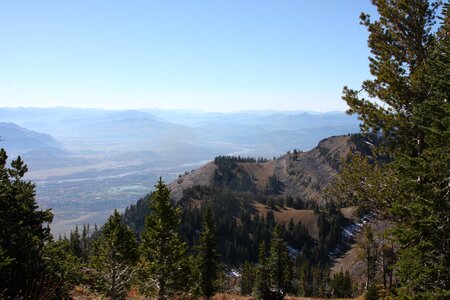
(260, 171)
(200, 176)
(352, 262)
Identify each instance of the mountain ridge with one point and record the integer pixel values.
(19, 140)
(303, 174)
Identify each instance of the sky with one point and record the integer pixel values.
(214, 55)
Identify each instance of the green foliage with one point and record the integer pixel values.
(279, 263)
(401, 41)
(372, 293)
(115, 257)
(247, 278)
(330, 223)
(368, 185)
(262, 281)
(274, 186)
(75, 243)
(273, 274)
(313, 280)
(164, 253)
(5, 260)
(86, 243)
(229, 174)
(238, 241)
(136, 214)
(208, 256)
(341, 285)
(23, 230)
(320, 277)
(410, 65)
(423, 211)
(240, 228)
(62, 266)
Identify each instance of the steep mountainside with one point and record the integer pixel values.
(300, 174)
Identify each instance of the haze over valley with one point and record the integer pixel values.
(87, 162)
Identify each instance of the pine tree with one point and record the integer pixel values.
(208, 256)
(410, 65)
(85, 243)
(423, 212)
(163, 251)
(368, 185)
(401, 42)
(279, 263)
(341, 285)
(262, 281)
(62, 266)
(248, 278)
(75, 243)
(115, 257)
(23, 230)
(304, 280)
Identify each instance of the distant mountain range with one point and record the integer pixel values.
(162, 131)
(18, 140)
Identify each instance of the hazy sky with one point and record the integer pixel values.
(217, 55)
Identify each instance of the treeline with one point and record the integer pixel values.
(230, 175)
(238, 159)
(240, 227)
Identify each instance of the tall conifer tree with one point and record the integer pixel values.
(262, 281)
(163, 251)
(410, 65)
(208, 256)
(273, 274)
(248, 278)
(23, 230)
(279, 263)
